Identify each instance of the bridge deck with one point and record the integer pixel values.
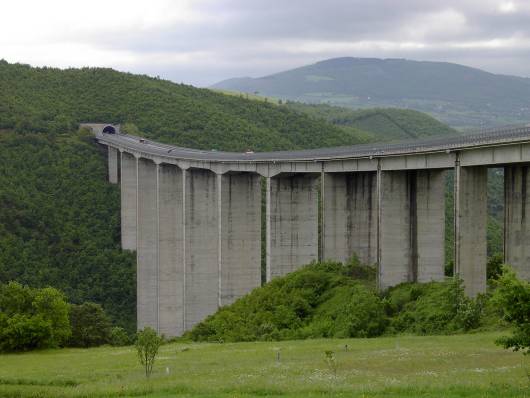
(495, 137)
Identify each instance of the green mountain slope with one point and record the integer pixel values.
(59, 219)
(51, 100)
(455, 94)
(60, 222)
(382, 124)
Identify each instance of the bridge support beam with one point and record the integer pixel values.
(147, 260)
(292, 220)
(517, 219)
(201, 245)
(113, 165)
(171, 250)
(471, 210)
(350, 216)
(240, 233)
(412, 232)
(128, 201)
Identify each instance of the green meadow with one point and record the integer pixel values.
(468, 365)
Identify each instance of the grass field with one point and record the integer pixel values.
(442, 366)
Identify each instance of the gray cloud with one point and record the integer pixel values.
(227, 38)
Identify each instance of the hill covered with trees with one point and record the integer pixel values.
(55, 101)
(382, 124)
(456, 94)
(59, 218)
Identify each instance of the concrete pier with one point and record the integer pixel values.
(201, 245)
(350, 216)
(517, 218)
(240, 235)
(412, 226)
(292, 216)
(147, 274)
(171, 251)
(430, 225)
(395, 228)
(471, 227)
(113, 165)
(128, 201)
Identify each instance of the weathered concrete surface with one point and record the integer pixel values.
(147, 274)
(395, 229)
(430, 225)
(113, 165)
(240, 235)
(171, 251)
(350, 216)
(517, 218)
(128, 201)
(412, 226)
(293, 220)
(202, 240)
(470, 227)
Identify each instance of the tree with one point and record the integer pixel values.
(32, 318)
(91, 326)
(147, 344)
(513, 298)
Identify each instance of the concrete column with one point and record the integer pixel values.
(201, 245)
(293, 219)
(516, 220)
(430, 225)
(113, 165)
(147, 275)
(128, 201)
(395, 224)
(412, 226)
(470, 227)
(171, 250)
(240, 235)
(350, 216)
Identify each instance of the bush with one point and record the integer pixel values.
(286, 308)
(494, 266)
(32, 318)
(91, 327)
(351, 311)
(119, 337)
(512, 296)
(432, 308)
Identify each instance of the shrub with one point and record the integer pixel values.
(351, 311)
(294, 306)
(32, 318)
(432, 308)
(119, 337)
(512, 296)
(494, 266)
(90, 325)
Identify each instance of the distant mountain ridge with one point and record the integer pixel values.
(458, 95)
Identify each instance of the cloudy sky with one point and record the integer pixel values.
(203, 41)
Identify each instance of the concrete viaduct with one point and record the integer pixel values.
(194, 216)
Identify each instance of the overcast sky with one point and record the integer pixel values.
(203, 41)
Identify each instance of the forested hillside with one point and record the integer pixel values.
(59, 222)
(458, 95)
(382, 124)
(59, 218)
(54, 101)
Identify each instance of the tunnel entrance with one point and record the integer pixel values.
(109, 130)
